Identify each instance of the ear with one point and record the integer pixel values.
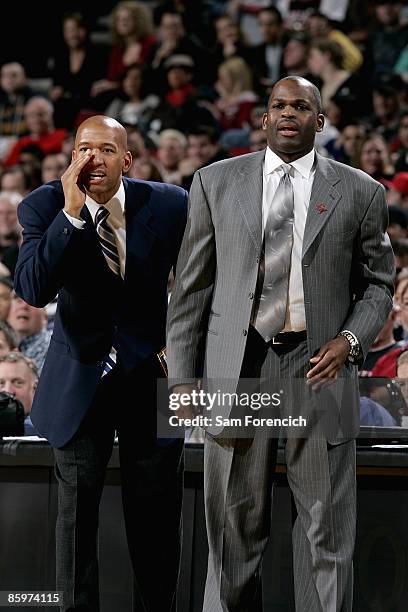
(127, 161)
(264, 120)
(73, 155)
(320, 122)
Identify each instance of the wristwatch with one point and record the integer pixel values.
(355, 348)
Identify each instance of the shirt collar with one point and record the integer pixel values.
(303, 164)
(116, 205)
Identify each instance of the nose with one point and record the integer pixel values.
(287, 111)
(8, 387)
(97, 157)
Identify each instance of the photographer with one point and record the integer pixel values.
(19, 376)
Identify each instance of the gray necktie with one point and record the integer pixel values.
(274, 269)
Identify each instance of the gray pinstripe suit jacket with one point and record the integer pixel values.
(347, 265)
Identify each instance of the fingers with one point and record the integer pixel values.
(76, 166)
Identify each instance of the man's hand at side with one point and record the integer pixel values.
(184, 411)
(329, 360)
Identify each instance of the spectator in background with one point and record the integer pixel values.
(181, 107)
(400, 144)
(266, 58)
(132, 106)
(15, 179)
(389, 37)
(6, 292)
(374, 158)
(203, 149)
(170, 152)
(230, 41)
(8, 340)
(236, 97)
(31, 157)
(10, 230)
(400, 248)
(39, 116)
(173, 40)
(53, 166)
(295, 60)
(383, 344)
(30, 326)
(145, 169)
(133, 37)
(397, 194)
(397, 223)
(385, 120)
(19, 377)
(348, 143)
(257, 140)
(75, 67)
(319, 26)
(14, 94)
(326, 62)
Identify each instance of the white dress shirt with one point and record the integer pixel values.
(301, 176)
(116, 221)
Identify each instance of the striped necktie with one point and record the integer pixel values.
(107, 240)
(110, 251)
(274, 269)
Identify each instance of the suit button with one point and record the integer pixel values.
(257, 260)
(245, 332)
(65, 231)
(305, 265)
(251, 296)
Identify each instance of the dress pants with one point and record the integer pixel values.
(152, 486)
(238, 482)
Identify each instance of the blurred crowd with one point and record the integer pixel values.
(190, 82)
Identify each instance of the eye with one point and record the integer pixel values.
(83, 148)
(108, 150)
(302, 107)
(277, 105)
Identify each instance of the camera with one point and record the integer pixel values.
(11, 415)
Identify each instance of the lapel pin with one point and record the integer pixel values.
(321, 208)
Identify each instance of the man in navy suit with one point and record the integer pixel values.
(106, 244)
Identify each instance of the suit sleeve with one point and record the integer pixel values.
(192, 293)
(374, 272)
(48, 241)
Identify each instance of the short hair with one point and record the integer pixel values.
(205, 130)
(6, 280)
(173, 134)
(11, 196)
(400, 247)
(9, 335)
(273, 11)
(17, 357)
(333, 48)
(47, 103)
(315, 90)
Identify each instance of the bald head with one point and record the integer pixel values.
(100, 122)
(302, 82)
(104, 140)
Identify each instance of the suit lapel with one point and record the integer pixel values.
(140, 236)
(249, 194)
(323, 200)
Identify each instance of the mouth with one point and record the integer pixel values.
(288, 130)
(22, 317)
(95, 177)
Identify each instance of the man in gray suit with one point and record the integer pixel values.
(285, 271)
